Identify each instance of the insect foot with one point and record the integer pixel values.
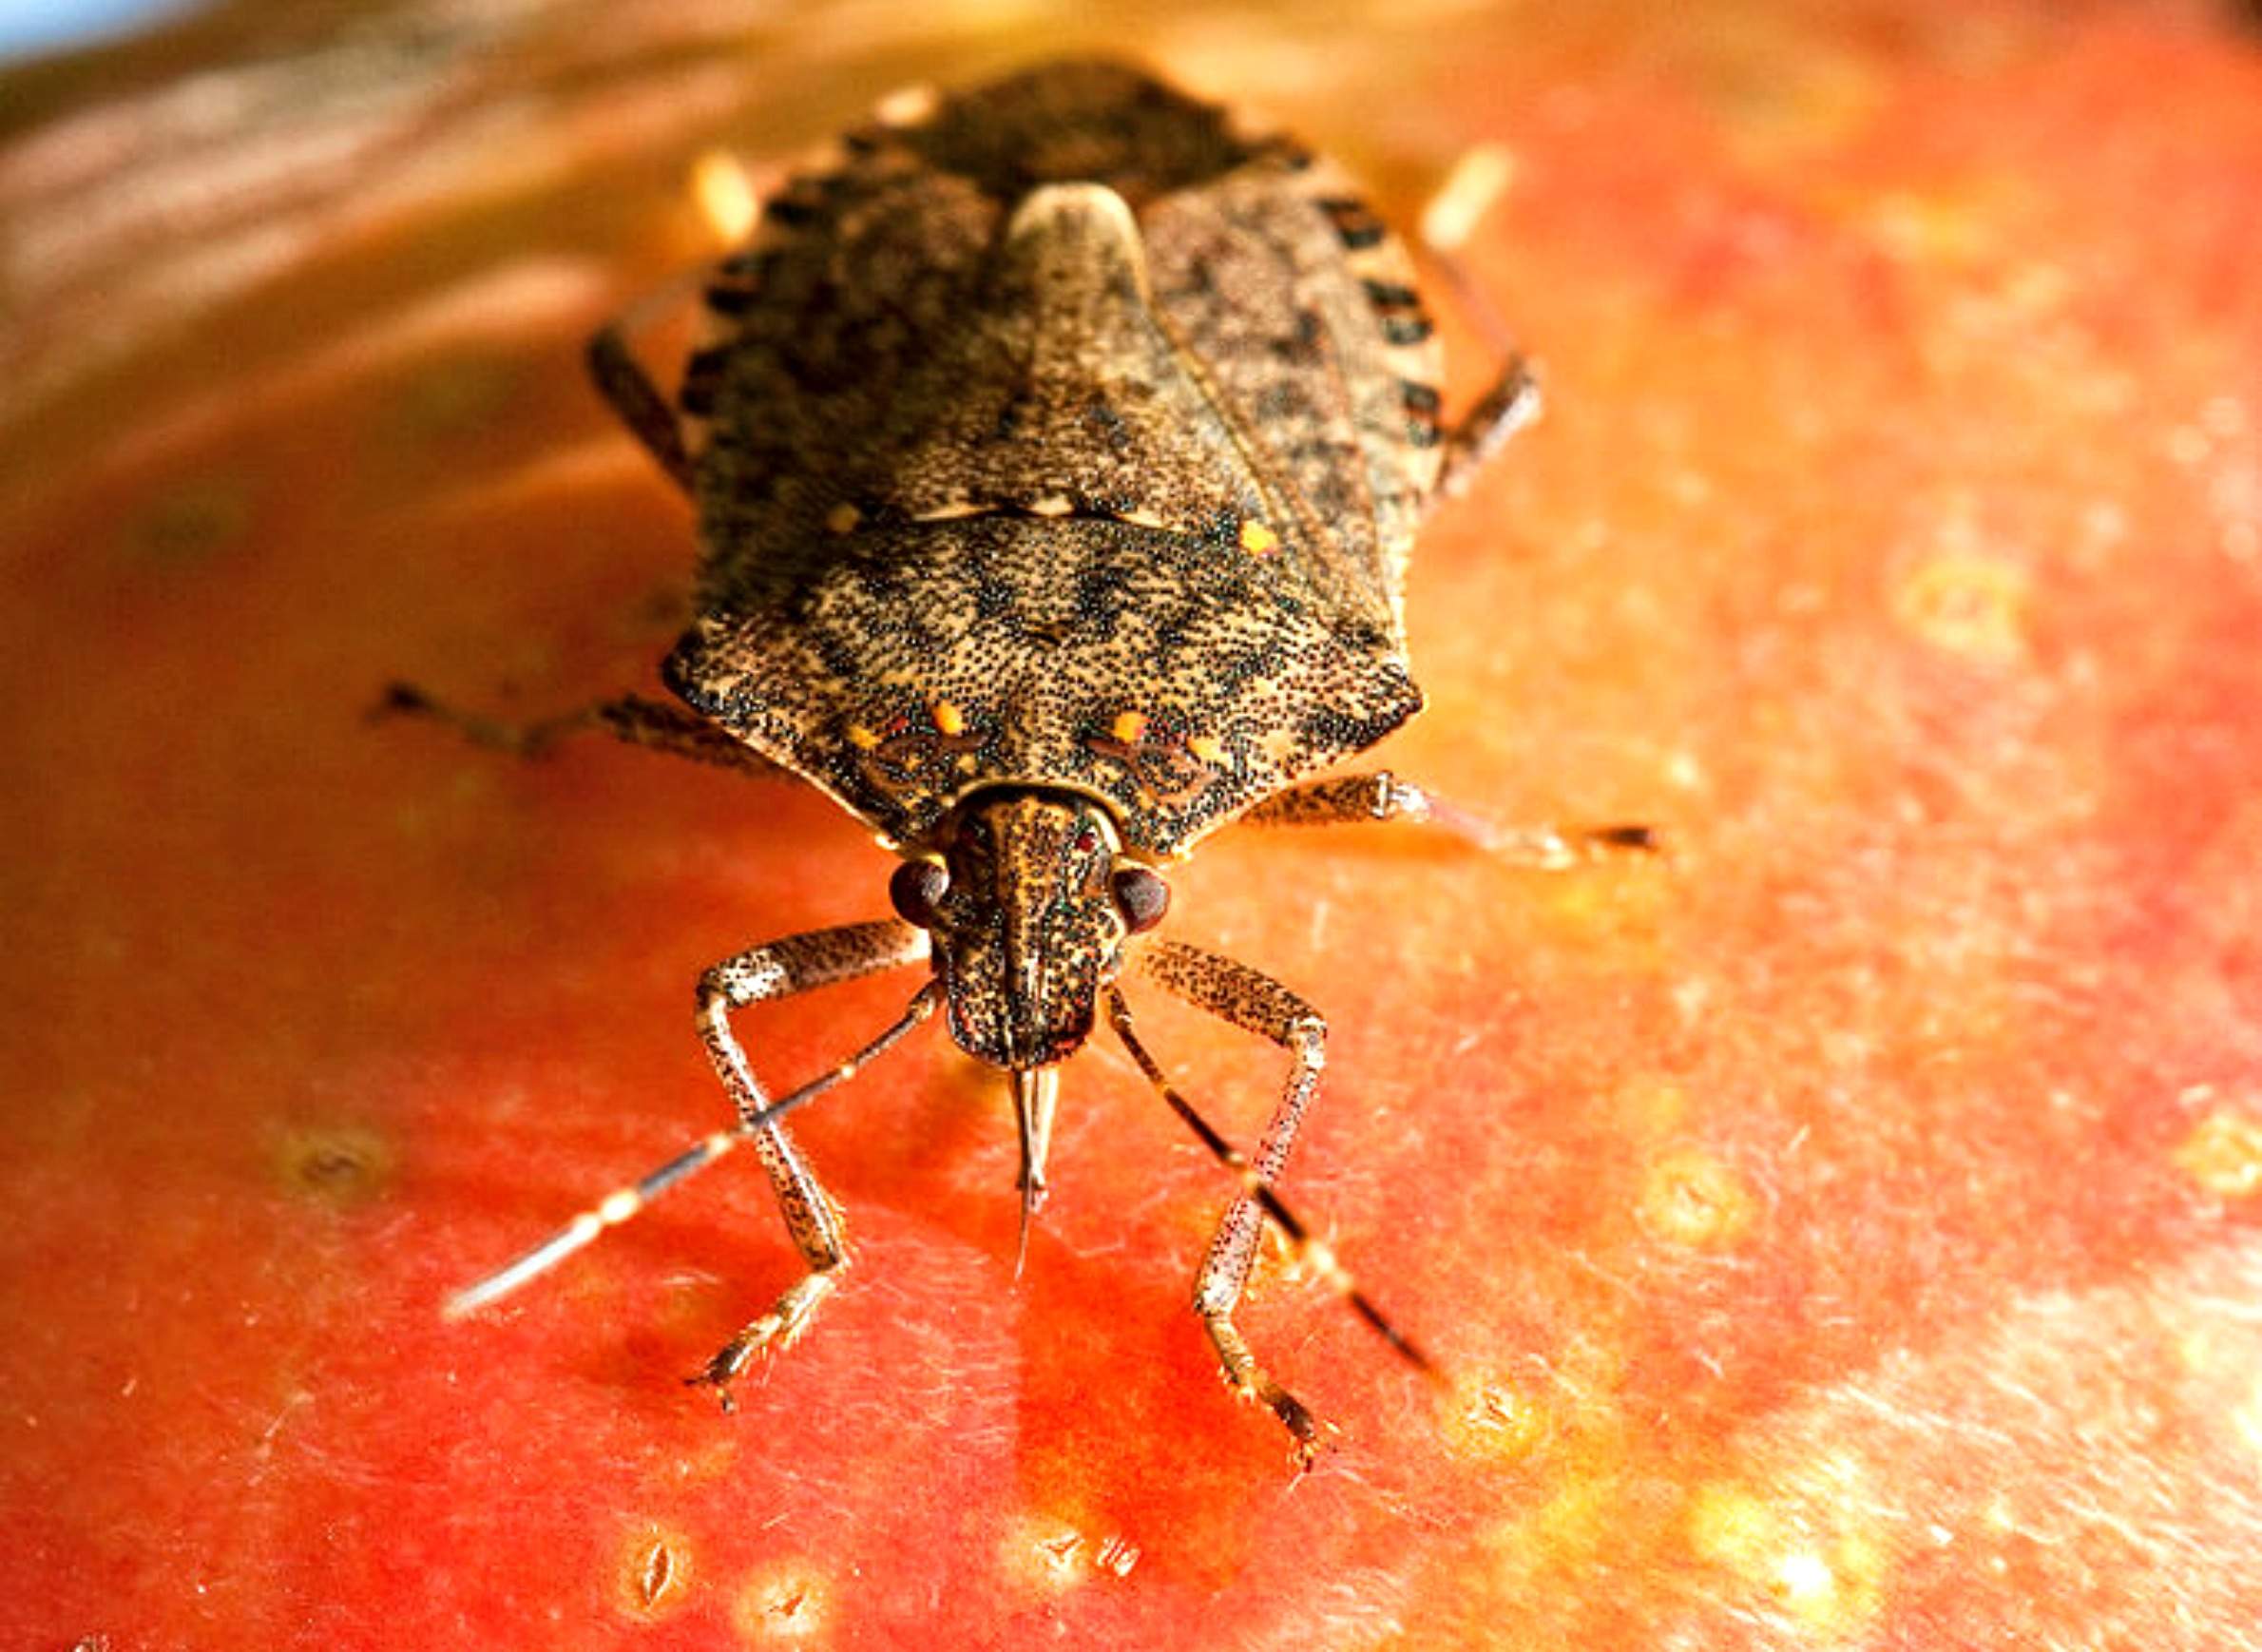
(774, 1332)
(1254, 1387)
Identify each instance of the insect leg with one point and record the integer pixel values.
(1513, 400)
(652, 723)
(780, 969)
(1256, 1004)
(1351, 800)
(665, 425)
(622, 380)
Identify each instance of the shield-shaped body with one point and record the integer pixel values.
(1063, 434)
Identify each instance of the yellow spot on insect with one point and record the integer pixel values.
(843, 518)
(652, 1575)
(725, 196)
(949, 718)
(1208, 747)
(1128, 727)
(2223, 1154)
(1689, 1197)
(786, 1605)
(862, 737)
(1051, 504)
(1257, 539)
(1141, 517)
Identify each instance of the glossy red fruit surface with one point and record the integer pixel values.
(1843, 1234)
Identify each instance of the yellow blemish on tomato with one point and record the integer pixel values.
(2247, 1420)
(1649, 1108)
(653, 1573)
(1689, 1197)
(1830, 1581)
(2223, 1154)
(1259, 540)
(1490, 1420)
(1968, 603)
(949, 718)
(1052, 1554)
(1128, 727)
(1577, 1467)
(725, 196)
(786, 1604)
(340, 1166)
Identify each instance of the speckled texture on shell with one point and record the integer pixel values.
(1063, 434)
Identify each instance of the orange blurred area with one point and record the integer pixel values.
(1842, 1233)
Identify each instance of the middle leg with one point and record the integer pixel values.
(1355, 799)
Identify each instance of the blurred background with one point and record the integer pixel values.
(32, 26)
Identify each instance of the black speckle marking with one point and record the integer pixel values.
(1355, 225)
(792, 214)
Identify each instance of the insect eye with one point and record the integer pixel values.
(1141, 896)
(1086, 840)
(916, 890)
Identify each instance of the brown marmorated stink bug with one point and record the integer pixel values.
(1057, 448)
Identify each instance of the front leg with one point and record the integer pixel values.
(653, 724)
(781, 970)
(1256, 1004)
(1354, 799)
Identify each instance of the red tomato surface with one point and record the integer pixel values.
(1841, 1235)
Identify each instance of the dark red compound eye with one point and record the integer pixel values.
(1086, 840)
(916, 890)
(1141, 897)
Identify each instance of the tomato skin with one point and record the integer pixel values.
(1827, 1231)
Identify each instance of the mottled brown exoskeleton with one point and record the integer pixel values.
(1057, 448)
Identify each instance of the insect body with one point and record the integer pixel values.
(1057, 448)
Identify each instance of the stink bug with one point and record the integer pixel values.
(1057, 448)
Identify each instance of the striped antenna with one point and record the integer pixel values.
(622, 1202)
(1314, 1250)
